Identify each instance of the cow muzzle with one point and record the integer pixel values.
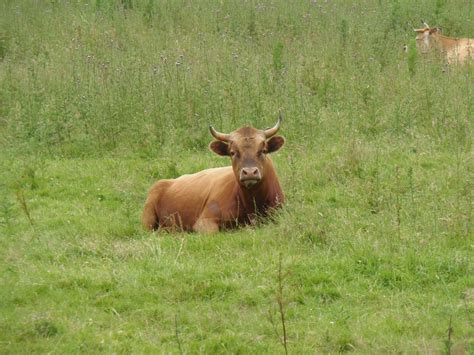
(249, 177)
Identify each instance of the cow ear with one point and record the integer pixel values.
(219, 148)
(275, 143)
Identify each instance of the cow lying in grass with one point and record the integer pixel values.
(456, 50)
(221, 197)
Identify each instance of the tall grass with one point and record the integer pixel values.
(151, 74)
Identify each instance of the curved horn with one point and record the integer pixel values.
(272, 131)
(425, 24)
(224, 137)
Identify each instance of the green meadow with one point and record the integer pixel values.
(373, 251)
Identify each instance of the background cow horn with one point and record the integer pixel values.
(272, 131)
(224, 137)
(425, 24)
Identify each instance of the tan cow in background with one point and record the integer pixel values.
(221, 197)
(456, 50)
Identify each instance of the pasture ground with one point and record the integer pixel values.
(98, 99)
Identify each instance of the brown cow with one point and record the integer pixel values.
(456, 50)
(221, 197)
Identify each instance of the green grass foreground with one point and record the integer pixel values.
(99, 99)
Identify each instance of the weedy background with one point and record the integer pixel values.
(98, 99)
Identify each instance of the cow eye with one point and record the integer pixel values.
(232, 153)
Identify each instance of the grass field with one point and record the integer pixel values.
(373, 252)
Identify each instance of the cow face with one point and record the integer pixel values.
(424, 35)
(248, 148)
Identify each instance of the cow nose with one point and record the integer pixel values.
(250, 176)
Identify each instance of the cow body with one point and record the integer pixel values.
(456, 50)
(209, 200)
(218, 198)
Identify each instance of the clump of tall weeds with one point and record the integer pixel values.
(281, 308)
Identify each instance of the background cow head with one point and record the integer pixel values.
(424, 35)
(248, 148)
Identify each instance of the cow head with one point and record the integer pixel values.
(424, 35)
(248, 148)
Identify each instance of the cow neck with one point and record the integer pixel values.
(446, 41)
(259, 196)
